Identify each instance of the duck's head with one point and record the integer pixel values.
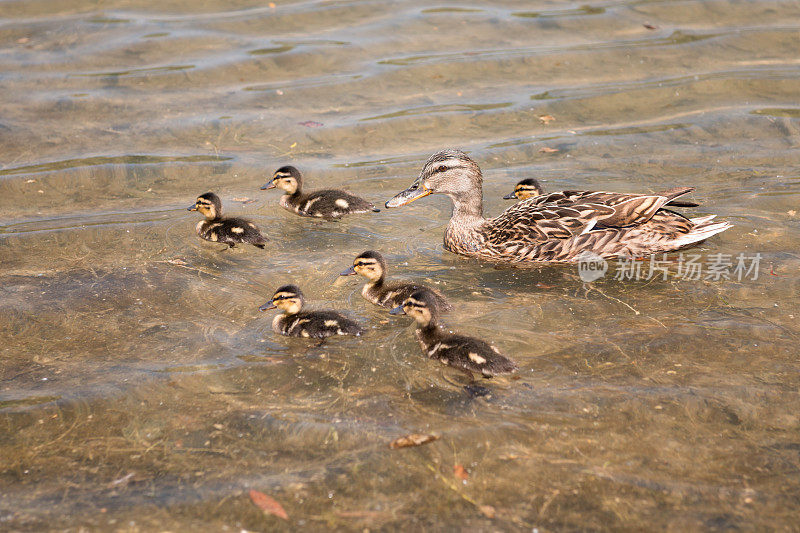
(527, 188)
(288, 299)
(209, 205)
(421, 306)
(449, 172)
(369, 264)
(287, 178)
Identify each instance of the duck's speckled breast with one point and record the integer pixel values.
(465, 238)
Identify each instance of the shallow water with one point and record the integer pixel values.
(142, 390)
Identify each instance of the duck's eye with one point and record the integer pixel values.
(441, 169)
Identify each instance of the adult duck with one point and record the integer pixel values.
(560, 226)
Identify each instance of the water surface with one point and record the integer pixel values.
(140, 389)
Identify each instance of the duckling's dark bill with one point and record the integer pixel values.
(267, 306)
(192, 207)
(268, 185)
(407, 196)
(397, 311)
(349, 272)
(510, 196)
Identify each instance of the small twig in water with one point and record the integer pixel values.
(637, 313)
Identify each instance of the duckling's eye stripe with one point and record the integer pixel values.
(281, 175)
(282, 296)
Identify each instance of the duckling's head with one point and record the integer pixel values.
(421, 306)
(449, 172)
(527, 188)
(287, 178)
(288, 299)
(208, 205)
(369, 264)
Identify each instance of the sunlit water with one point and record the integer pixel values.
(142, 390)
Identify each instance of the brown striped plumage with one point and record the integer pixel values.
(559, 226)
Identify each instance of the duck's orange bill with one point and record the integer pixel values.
(408, 196)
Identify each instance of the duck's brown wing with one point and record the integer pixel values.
(561, 215)
(635, 209)
(527, 221)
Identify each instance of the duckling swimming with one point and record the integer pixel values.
(324, 203)
(560, 226)
(527, 188)
(230, 231)
(372, 266)
(315, 324)
(459, 351)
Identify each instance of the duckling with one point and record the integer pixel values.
(560, 226)
(315, 324)
(527, 188)
(324, 203)
(372, 266)
(228, 231)
(459, 351)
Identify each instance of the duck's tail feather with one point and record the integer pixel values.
(672, 194)
(702, 230)
(700, 221)
(682, 203)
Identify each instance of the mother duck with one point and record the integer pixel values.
(560, 226)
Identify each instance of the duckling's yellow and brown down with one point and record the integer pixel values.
(324, 203)
(294, 322)
(459, 351)
(527, 188)
(377, 290)
(216, 228)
